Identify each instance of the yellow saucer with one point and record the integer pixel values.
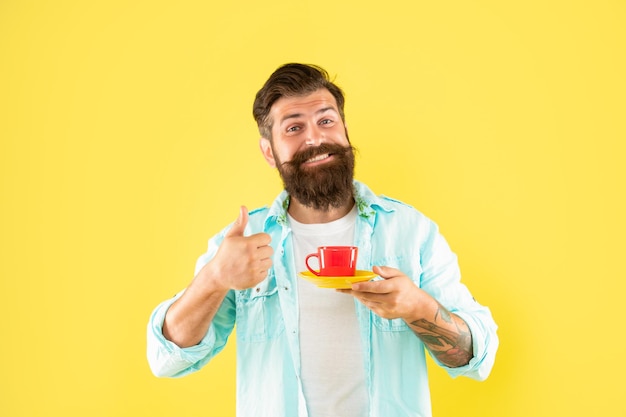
(337, 282)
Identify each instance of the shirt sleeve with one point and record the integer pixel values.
(441, 278)
(166, 359)
(484, 345)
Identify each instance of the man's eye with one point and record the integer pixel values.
(293, 129)
(326, 121)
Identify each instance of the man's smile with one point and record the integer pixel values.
(318, 158)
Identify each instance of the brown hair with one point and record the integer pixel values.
(292, 80)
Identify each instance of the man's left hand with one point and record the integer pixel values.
(396, 296)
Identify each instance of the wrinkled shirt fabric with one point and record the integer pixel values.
(388, 233)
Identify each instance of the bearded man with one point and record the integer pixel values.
(309, 351)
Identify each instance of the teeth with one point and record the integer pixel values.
(318, 158)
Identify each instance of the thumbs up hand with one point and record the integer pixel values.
(240, 224)
(241, 261)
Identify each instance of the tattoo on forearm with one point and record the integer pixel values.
(451, 346)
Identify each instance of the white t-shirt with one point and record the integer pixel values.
(333, 375)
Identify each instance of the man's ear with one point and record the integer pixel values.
(266, 150)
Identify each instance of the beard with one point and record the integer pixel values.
(320, 187)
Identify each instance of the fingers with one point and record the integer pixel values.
(258, 252)
(241, 260)
(260, 239)
(240, 224)
(374, 287)
(385, 286)
(378, 291)
(367, 296)
(386, 271)
(265, 252)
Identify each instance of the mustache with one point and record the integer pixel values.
(325, 148)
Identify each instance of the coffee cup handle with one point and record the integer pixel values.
(306, 261)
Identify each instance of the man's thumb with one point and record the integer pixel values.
(240, 224)
(384, 271)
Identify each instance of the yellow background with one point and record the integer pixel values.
(127, 140)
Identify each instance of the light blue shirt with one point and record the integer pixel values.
(389, 233)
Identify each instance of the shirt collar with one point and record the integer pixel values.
(365, 199)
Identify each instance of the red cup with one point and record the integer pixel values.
(334, 261)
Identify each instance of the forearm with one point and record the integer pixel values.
(189, 318)
(446, 335)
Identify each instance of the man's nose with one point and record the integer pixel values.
(315, 135)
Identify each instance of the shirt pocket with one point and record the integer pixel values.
(409, 264)
(258, 313)
(389, 325)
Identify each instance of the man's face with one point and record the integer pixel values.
(311, 150)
